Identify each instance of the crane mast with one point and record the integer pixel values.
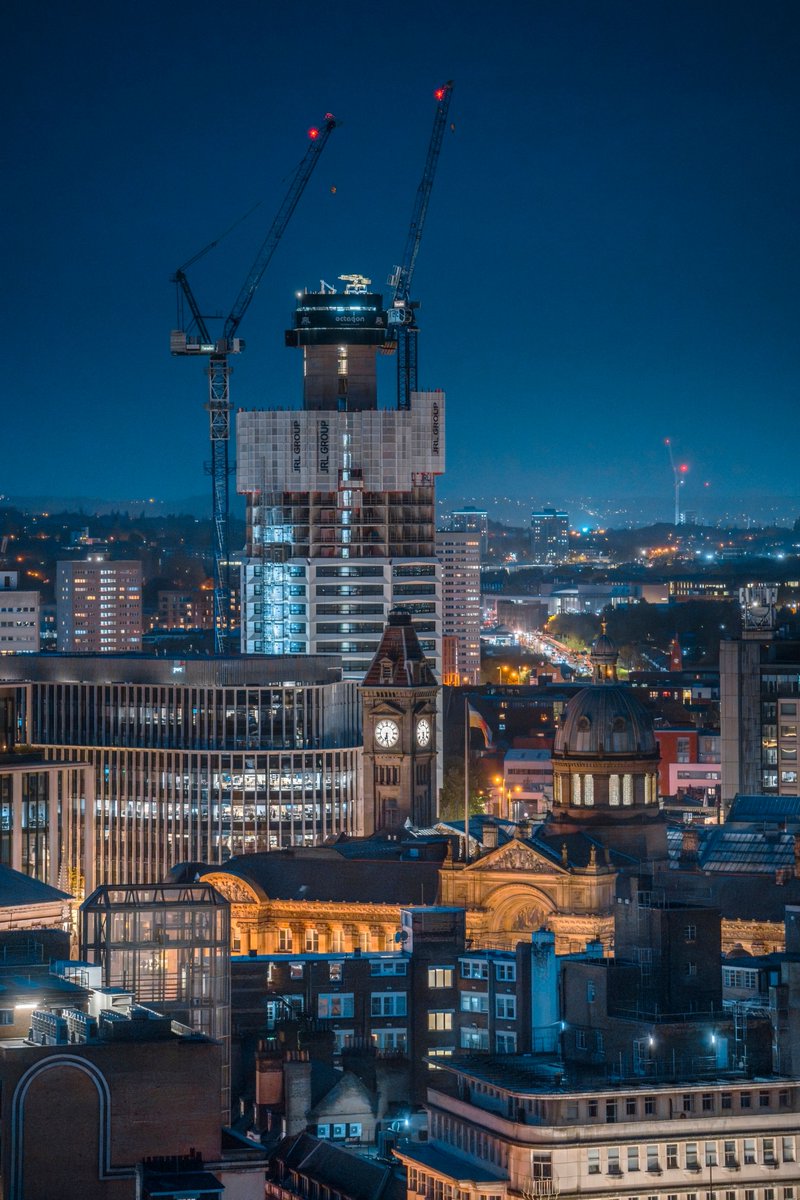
(678, 480)
(401, 314)
(218, 405)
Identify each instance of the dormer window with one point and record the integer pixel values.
(619, 734)
(583, 734)
(386, 671)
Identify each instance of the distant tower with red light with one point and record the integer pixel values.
(675, 655)
(679, 473)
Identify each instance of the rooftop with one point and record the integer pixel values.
(321, 873)
(445, 1163)
(18, 890)
(253, 670)
(536, 1075)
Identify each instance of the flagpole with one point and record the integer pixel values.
(466, 778)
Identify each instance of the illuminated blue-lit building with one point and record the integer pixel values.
(340, 495)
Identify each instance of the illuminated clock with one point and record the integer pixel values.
(387, 733)
(423, 732)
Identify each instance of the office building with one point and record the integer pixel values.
(549, 535)
(759, 681)
(45, 817)
(99, 606)
(340, 496)
(472, 520)
(459, 556)
(19, 616)
(192, 760)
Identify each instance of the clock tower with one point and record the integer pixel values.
(398, 711)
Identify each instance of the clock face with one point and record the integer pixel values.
(387, 733)
(423, 732)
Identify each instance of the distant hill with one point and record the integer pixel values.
(195, 506)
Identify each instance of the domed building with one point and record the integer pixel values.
(605, 764)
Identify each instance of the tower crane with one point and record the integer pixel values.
(193, 338)
(401, 314)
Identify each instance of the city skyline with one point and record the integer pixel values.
(614, 213)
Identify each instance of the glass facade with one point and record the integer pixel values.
(169, 946)
(191, 761)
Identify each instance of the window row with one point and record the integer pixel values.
(692, 1156)
(767, 1193)
(614, 1109)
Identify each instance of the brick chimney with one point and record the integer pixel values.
(296, 1090)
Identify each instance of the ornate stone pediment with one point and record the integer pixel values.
(516, 856)
(234, 890)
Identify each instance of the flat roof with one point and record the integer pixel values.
(206, 670)
(448, 1164)
(535, 1075)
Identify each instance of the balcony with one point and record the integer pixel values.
(542, 1187)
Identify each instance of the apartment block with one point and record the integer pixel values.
(459, 555)
(549, 535)
(99, 606)
(19, 616)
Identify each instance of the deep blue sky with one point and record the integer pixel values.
(612, 252)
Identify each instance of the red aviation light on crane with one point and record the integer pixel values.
(683, 468)
(439, 93)
(313, 133)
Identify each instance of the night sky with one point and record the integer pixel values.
(612, 253)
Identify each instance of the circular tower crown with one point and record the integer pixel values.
(603, 656)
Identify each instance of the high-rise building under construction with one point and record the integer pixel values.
(340, 495)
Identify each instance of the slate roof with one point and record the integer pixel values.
(321, 873)
(731, 850)
(477, 824)
(579, 849)
(448, 1163)
(399, 660)
(17, 890)
(328, 1164)
(765, 809)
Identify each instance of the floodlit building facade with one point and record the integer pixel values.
(518, 1127)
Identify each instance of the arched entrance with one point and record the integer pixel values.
(514, 912)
